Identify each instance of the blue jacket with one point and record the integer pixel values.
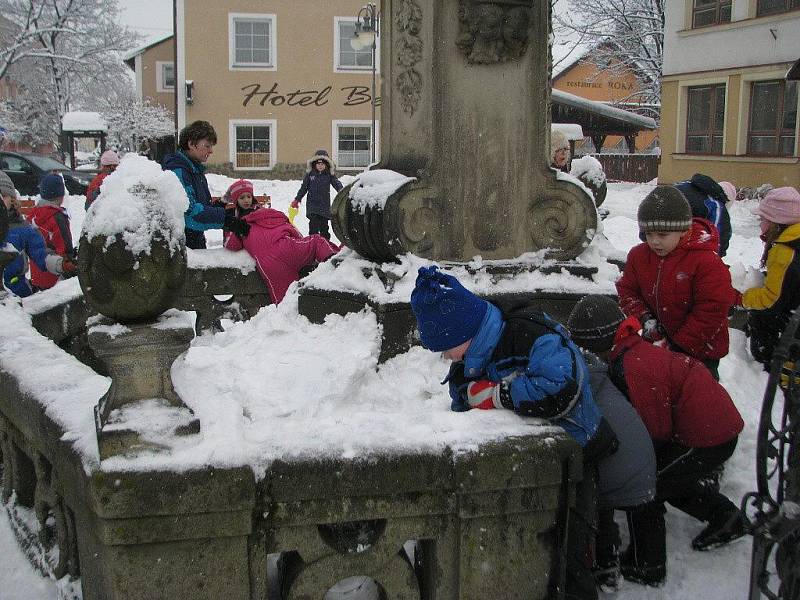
(318, 185)
(707, 200)
(543, 371)
(201, 214)
(30, 244)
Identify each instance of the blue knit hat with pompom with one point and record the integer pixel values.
(447, 313)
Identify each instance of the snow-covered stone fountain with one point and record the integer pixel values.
(280, 497)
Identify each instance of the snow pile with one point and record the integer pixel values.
(588, 168)
(66, 388)
(141, 202)
(572, 131)
(373, 188)
(83, 121)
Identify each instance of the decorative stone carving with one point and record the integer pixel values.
(409, 52)
(128, 286)
(493, 32)
(479, 142)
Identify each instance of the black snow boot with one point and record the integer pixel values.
(724, 526)
(606, 567)
(645, 560)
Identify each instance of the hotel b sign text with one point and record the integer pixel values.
(352, 95)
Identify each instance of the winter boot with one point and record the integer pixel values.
(723, 527)
(645, 560)
(606, 567)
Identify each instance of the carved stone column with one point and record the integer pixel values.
(465, 110)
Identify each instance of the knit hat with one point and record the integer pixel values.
(557, 141)
(109, 157)
(51, 186)
(780, 205)
(593, 322)
(447, 313)
(664, 209)
(239, 187)
(729, 189)
(7, 186)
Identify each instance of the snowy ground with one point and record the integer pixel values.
(299, 359)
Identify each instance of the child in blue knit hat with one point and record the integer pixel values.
(521, 360)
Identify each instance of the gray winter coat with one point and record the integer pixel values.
(627, 477)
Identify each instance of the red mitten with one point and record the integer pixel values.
(295, 203)
(68, 269)
(483, 394)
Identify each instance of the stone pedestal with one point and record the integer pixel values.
(466, 92)
(141, 405)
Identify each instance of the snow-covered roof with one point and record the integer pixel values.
(601, 108)
(83, 121)
(140, 49)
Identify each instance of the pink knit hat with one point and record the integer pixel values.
(238, 188)
(109, 157)
(729, 189)
(780, 205)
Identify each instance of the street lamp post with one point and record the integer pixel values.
(365, 36)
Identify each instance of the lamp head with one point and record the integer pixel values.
(355, 41)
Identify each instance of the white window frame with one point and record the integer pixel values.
(273, 142)
(336, 123)
(161, 81)
(272, 65)
(337, 44)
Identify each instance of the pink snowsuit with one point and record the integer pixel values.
(280, 251)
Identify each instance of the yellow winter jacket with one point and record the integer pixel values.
(781, 289)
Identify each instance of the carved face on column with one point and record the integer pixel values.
(493, 32)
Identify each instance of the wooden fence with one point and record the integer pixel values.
(639, 168)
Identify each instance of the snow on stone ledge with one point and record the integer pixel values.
(138, 200)
(373, 188)
(356, 275)
(220, 258)
(83, 121)
(588, 167)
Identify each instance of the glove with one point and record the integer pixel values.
(295, 204)
(68, 269)
(483, 394)
(237, 226)
(652, 331)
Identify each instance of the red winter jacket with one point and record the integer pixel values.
(93, 191)
(688, 291)
(53, 223)
(674, 394)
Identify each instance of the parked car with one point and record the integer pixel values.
(26, 170)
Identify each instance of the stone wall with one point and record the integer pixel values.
(421, 524)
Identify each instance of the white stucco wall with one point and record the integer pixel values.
(745, 42)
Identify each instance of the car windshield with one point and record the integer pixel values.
(47, 164)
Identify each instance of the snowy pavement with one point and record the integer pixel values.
(257, 371)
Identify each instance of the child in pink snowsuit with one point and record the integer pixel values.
(280, 251)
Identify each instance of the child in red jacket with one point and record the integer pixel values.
(53, 223)
(675, 284)
(694, 426)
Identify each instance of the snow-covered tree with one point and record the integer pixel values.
(626, 37)
(62, 51)
(131, 122)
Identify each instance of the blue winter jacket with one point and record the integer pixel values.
(707, 200)
(201, 214)
(318, 185)
(543, 371)
(30, 244)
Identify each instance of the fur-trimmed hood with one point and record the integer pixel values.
(321, 155)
